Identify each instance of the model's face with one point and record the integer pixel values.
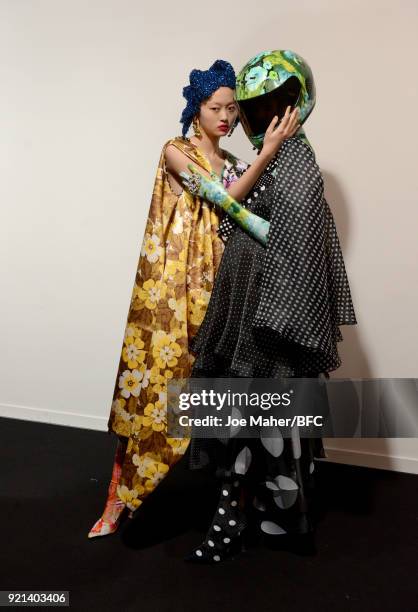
(218, 113)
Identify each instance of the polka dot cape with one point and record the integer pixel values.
(276, 310)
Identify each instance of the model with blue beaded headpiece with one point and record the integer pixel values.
(172, 288)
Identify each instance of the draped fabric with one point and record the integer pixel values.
(275, 312)
(180, 255)
(304, 292)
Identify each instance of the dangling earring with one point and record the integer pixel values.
(196, 128)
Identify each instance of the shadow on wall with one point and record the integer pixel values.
(353, 355)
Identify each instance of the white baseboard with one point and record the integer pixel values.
(55, 417)
(86, 421)
(363, 458)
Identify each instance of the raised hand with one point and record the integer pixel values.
(277, 132)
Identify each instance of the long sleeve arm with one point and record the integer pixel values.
(214, 191)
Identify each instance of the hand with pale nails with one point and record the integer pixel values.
(277, 132)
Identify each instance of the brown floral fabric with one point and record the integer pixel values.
(179, 258)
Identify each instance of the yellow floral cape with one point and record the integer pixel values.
(179, 258)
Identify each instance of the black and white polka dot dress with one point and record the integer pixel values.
(275, 311)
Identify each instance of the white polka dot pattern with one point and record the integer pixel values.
(305, 293)
(275, 310)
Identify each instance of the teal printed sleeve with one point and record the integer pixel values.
(213, 190)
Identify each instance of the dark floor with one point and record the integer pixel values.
(53, 484)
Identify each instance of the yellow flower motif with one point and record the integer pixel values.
(160, 381)
(171, 397)
(130, 496)
(144, 462)
(165, 350)
(179, 307)
(151, 292)
(130, 383)
(121, 414)
(122, 426)
(160, 384)
(155, 416)
(179, 445)
(174, 265)
(170, 268)
(132, 352)
(178, 224)
(155, 473)
(155, 372)
(118, 405)
(132, 331)
(145, 380)
(151, 248)
(137, 424)
(197, 312)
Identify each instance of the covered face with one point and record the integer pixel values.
(268, 83)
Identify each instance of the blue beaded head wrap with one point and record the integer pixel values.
(203, 83)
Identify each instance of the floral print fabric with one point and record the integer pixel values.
(180, 255)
